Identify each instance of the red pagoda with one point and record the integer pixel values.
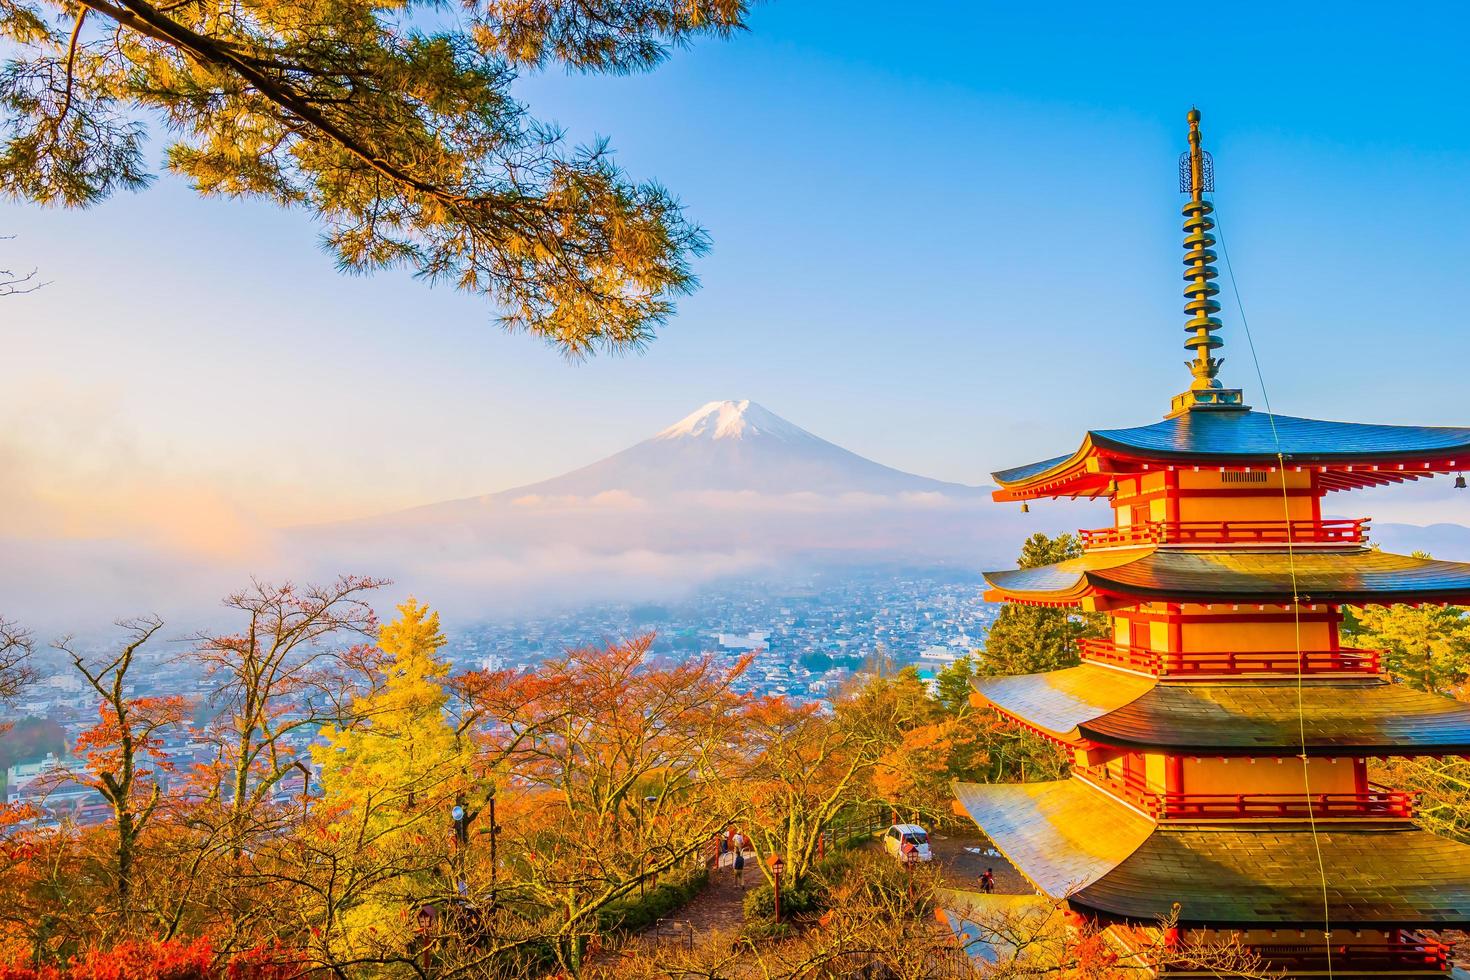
(1221, 732)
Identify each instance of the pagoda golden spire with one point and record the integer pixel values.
(1199, 274)
(1197, 176)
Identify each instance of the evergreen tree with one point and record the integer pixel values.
(1028, 639)
(952, 686)
(392, 123)
(1427, 648)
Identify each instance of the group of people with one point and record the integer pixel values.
(732, 855)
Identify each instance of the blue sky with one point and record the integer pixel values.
(946, 236)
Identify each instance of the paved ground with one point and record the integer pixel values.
(962, 857)
(718, 908)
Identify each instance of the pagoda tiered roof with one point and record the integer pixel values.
(1347, 454)
(1334, 718)
(1058, 701)
(1254, 716)
(1061, 835)
(1071, 840)
(1388, 875)
(1123, 576)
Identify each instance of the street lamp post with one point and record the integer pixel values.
(643, 801)
(776, 865)
(459, 817)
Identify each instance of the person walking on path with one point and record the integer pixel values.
(987, 881)
(740, 868)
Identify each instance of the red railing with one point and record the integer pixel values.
(1420, 956)
(1242, 533)
(1379, 802)
(1131, 789)
(1349, 660)
(1385, 804)
(1108, 652)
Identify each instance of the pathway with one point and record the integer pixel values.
(718, 908)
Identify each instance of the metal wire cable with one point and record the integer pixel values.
(1295, 600)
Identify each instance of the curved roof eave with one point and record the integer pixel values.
(1058, 701)
(1244, 438)
(1268, 875)
(1061, 835)
(1333, 718)
(1354, 577)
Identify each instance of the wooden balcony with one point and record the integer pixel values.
(1348, 660)
(1241, 534)
(1128, 789)
(1379, 803)
(1130, 658)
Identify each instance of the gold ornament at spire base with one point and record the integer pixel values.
(1196, 176)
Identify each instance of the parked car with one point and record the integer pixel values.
(908, 842)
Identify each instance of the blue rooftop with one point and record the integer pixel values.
(1246, 437)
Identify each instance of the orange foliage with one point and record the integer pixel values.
(154, 960)
(919, 762)
(101, 746)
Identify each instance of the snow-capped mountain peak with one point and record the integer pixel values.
(734, 420)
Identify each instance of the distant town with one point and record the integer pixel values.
(806, 639)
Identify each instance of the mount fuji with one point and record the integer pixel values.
(730, 489)
(729, 447)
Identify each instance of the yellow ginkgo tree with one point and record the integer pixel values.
(390, 782)
(401, 759)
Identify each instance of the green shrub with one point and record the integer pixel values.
(835, 866)
(764, 930)
(634, 913)
(760, 902)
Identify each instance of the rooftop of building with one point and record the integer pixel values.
(1125, 576)
(1251, 438)
(1248, 716)
(1071, 840)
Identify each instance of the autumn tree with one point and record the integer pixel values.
(806, 767)
(1029, 639)
(927, 740)
(391, 774)
(881, 708)
(16, 647)
(398, 750)
(139, 958)
(616, 776)
(121, 752)
(298, 664)
(393, 124)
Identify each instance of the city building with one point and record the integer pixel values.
(753, 640)
(1221, 734)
